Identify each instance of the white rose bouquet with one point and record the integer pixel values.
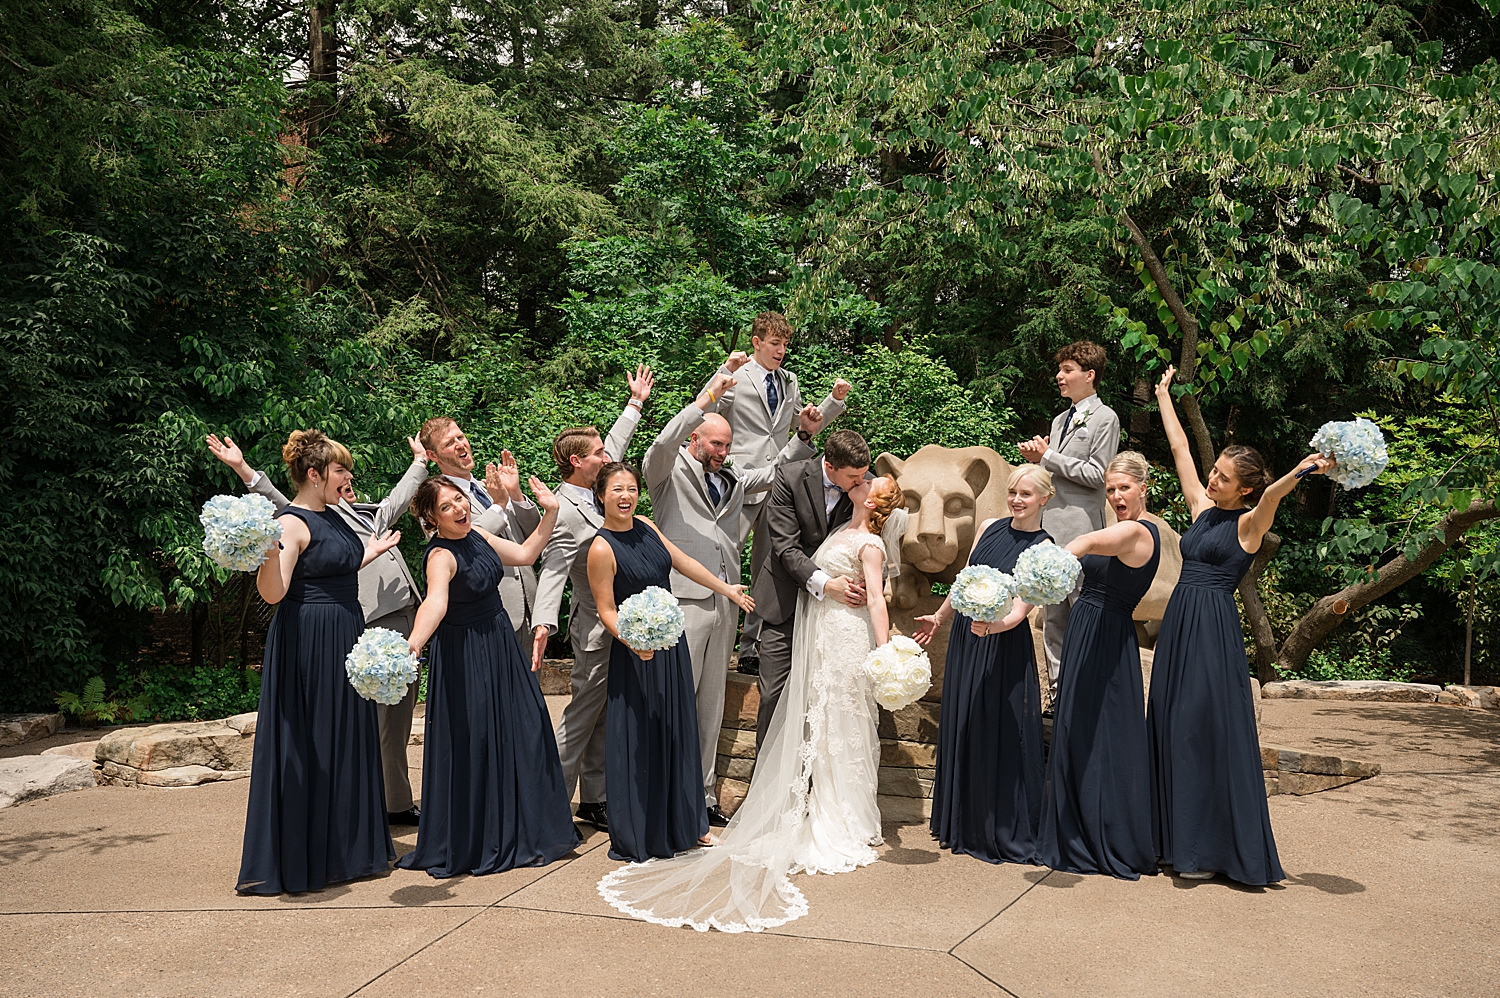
(900, 672)
(651, 620)
(238, 531)
(381, 666)
(1358, 449)
(982, 593)
(1046, 574)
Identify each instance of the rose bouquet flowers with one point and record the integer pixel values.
(982, 593)
(900, 672)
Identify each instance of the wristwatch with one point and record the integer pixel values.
(804, 436)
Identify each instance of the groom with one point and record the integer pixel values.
(809, 500)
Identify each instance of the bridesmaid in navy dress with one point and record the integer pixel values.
(317, 799)
(492, 785)
(987, 797)
(1097, 816)
(1208, 797)
(652, 773)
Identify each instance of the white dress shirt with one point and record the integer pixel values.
(1081, 410)
(831, 496)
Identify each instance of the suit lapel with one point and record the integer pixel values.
(590, 515)
(813, 485)
(694, 471)
(758, 380)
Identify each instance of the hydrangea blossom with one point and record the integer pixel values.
(238, 531)
(1358, 448)
(651, 620)
(1046, 574)
(381, 666)
(982, 592)
(900, 671)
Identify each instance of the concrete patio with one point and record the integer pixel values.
(1393, 889)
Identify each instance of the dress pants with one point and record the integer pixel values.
(710, 633)
(775, 666)
(753, 521)
(395, 723)
(580, 730)
(1054, 624)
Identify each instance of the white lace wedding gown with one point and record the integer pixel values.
(811, 805)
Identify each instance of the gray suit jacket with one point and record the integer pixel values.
(796, 525)
(518, 584)
(566, 557)
(758, 435)
(713, 535)
(385, 584)
(1077, 464)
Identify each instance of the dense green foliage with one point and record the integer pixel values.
(491, 211)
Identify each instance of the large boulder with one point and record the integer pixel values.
(17, 729)
(28, 777)
(1352, 689)
(178, 755)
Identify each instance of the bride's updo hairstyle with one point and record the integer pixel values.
(312, 450)
(424, 505)
(1132, 463)
(888, 498)
(612, 469)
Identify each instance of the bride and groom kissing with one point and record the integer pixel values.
(811, 804)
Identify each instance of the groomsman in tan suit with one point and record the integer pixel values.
(388, 595)
(762, 408)
(1084, 440)
(697, 497)
(579, 453)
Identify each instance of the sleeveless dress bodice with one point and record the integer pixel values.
(327, 571)
(472, 592)
(1212, 556)
(641, 560)
(1114, 586)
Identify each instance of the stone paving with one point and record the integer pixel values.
(1393, 890)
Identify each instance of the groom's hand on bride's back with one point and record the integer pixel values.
(850, 592)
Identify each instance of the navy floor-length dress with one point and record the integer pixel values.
(987, 797)
(1097, 815)
(317, 799)
(652, 775)
(492, 785)
(1207, 792)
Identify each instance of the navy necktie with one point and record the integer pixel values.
(772, 398)
(480, 496)
(714, 495)
(1068, 422)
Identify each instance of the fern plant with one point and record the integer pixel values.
(92, 708)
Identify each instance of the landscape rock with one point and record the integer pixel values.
(903, 810)
(1360, 689)
(1476, 697)
(18, 729)
(178, 755)
(736, 743)
(903, 782)
(741, 701)
(906, 755)
(77, 750)
(1294, 771)
(30, 777)
(731, 794)
(916, 723)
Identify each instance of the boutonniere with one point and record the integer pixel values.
(1081, 419)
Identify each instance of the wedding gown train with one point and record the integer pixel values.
(811, 805)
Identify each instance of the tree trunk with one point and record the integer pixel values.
(1325, 615)
(517, 45)
(1187, 363)
(1255, 610)
(650, 15)
(1469, 630)
(322, 68)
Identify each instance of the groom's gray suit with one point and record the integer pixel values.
(580, 730)
(708, 532)
(797, 521)
(388, 595)
(1083, 442)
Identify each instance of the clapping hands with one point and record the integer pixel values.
(503, 481)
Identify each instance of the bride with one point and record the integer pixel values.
(811, 806)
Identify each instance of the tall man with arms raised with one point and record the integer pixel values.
(388, 595)
(809, 500)
(579, 453)
(763, 406)
(696, 500)
(1083, 442)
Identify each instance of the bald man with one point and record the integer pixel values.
(696, 500)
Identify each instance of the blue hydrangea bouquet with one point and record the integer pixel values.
(1046, 574)
(381, 666)
(651, 620)
(238, 531)
(1358, 449)
(982, 593)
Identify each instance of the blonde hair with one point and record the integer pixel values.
(1132, 463)
(886, 503)
(312, 450)
(1040, 477)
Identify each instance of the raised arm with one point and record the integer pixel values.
(1255, 524)
(379, 544)
(1127, 540)
(389, 509)
(618, 440)
(276, 571)
(694, 570)
(760, 479)
(1182, 454)
(229, 452)
(528, 551)
(872, 561)
(661, 456)
(441, 567)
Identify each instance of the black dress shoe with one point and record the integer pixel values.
(749, 666)
(410, 816)
(595, 814)
(717, 818)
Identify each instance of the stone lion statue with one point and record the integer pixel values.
(949, 492)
